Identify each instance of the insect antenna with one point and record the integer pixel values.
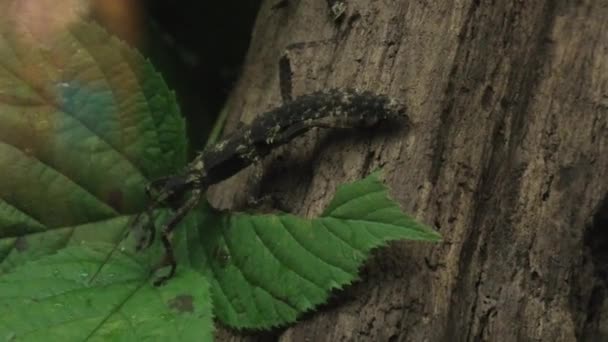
(132, 224)
(109, 255)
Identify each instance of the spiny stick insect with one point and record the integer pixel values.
(325, 109)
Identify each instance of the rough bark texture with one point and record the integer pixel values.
(507, 157)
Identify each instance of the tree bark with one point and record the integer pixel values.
(507, 156)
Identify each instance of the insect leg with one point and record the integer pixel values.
(285, 76)
(146, 240)
(167, 234)
(285, 66)
(155, 185)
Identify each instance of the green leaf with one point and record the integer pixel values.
(85, 122)
(266, 270)
(18, 250)
(53, 298)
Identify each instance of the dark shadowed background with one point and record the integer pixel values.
(198, 47)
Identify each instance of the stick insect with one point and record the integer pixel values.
(322, 109)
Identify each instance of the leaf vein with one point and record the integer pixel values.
(112, 90)
(336, 235)
(118, 307)
(345, 203)
(328, 263)
(265, 245)
(255, 283)
(59, 108)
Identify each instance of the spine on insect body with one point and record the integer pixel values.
(329, 109)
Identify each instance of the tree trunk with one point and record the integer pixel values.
(507, 156)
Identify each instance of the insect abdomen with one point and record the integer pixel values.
(334, 108)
